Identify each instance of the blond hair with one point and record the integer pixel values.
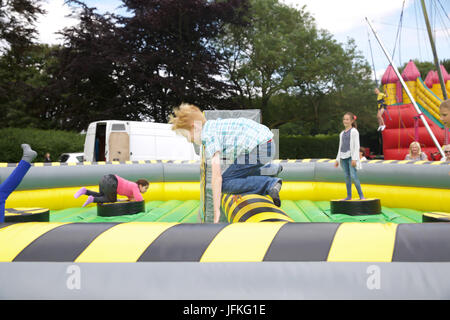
(415, 143)
(184, 116)
(445, 104)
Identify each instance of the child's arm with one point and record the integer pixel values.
(137, 196)
(355, 146)
(216, 183)
(336, 164)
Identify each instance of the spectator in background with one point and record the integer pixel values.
(47, 157)
(415, 152)
(446, 150)
(362, 151)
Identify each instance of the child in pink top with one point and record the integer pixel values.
(128, 189)
(112, 185)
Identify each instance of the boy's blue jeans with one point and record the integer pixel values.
(249, 172)
(10, 184)
(350, 174)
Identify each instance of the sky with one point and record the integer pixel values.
(344, 19)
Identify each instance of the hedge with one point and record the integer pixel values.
(305, 147)
(56, 142)
(42, 141)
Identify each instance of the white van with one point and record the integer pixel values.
(115, 140)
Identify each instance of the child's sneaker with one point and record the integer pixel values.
(89, 200)
(80, 193)
(274, 194)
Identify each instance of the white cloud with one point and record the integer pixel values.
(344, 15)
(55, 20)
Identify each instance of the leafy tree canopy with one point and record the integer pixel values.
(293, 71)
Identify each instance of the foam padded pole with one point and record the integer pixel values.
(252, 208)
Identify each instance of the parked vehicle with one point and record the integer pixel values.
(115, 140)
(71, 157)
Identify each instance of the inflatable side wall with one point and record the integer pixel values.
(419, 185)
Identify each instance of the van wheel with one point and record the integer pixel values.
(356, 207)
(27, 215)
(120, 208)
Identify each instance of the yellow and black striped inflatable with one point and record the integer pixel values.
(236, 242)
(252, 208)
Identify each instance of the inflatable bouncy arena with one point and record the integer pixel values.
(304, 249)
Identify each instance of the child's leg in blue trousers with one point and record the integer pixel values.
(351, 174)
(246, 179)
(346, 164)
(355, 179)
(244, 175)
(10, 184)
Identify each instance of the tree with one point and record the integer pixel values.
(293, 71)
(87, 83)
(23, 79)
(446, 64)
(20, 61)
(260, 55)
(140, 66)
(172, 58)
(17, 18)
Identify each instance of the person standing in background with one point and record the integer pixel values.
(47, 157)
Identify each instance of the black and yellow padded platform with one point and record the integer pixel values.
(436, 217)
(356, 207)
(120, 208)
(252, 208)
(27, 215)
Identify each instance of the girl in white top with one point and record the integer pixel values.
(348, 154)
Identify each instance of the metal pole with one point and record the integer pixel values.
(373, 62)
(436, 61)
(433, 48)
(407, 90)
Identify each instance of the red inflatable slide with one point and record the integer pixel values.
(403, 127)
(402, 120)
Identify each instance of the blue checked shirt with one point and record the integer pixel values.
(233, 137)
